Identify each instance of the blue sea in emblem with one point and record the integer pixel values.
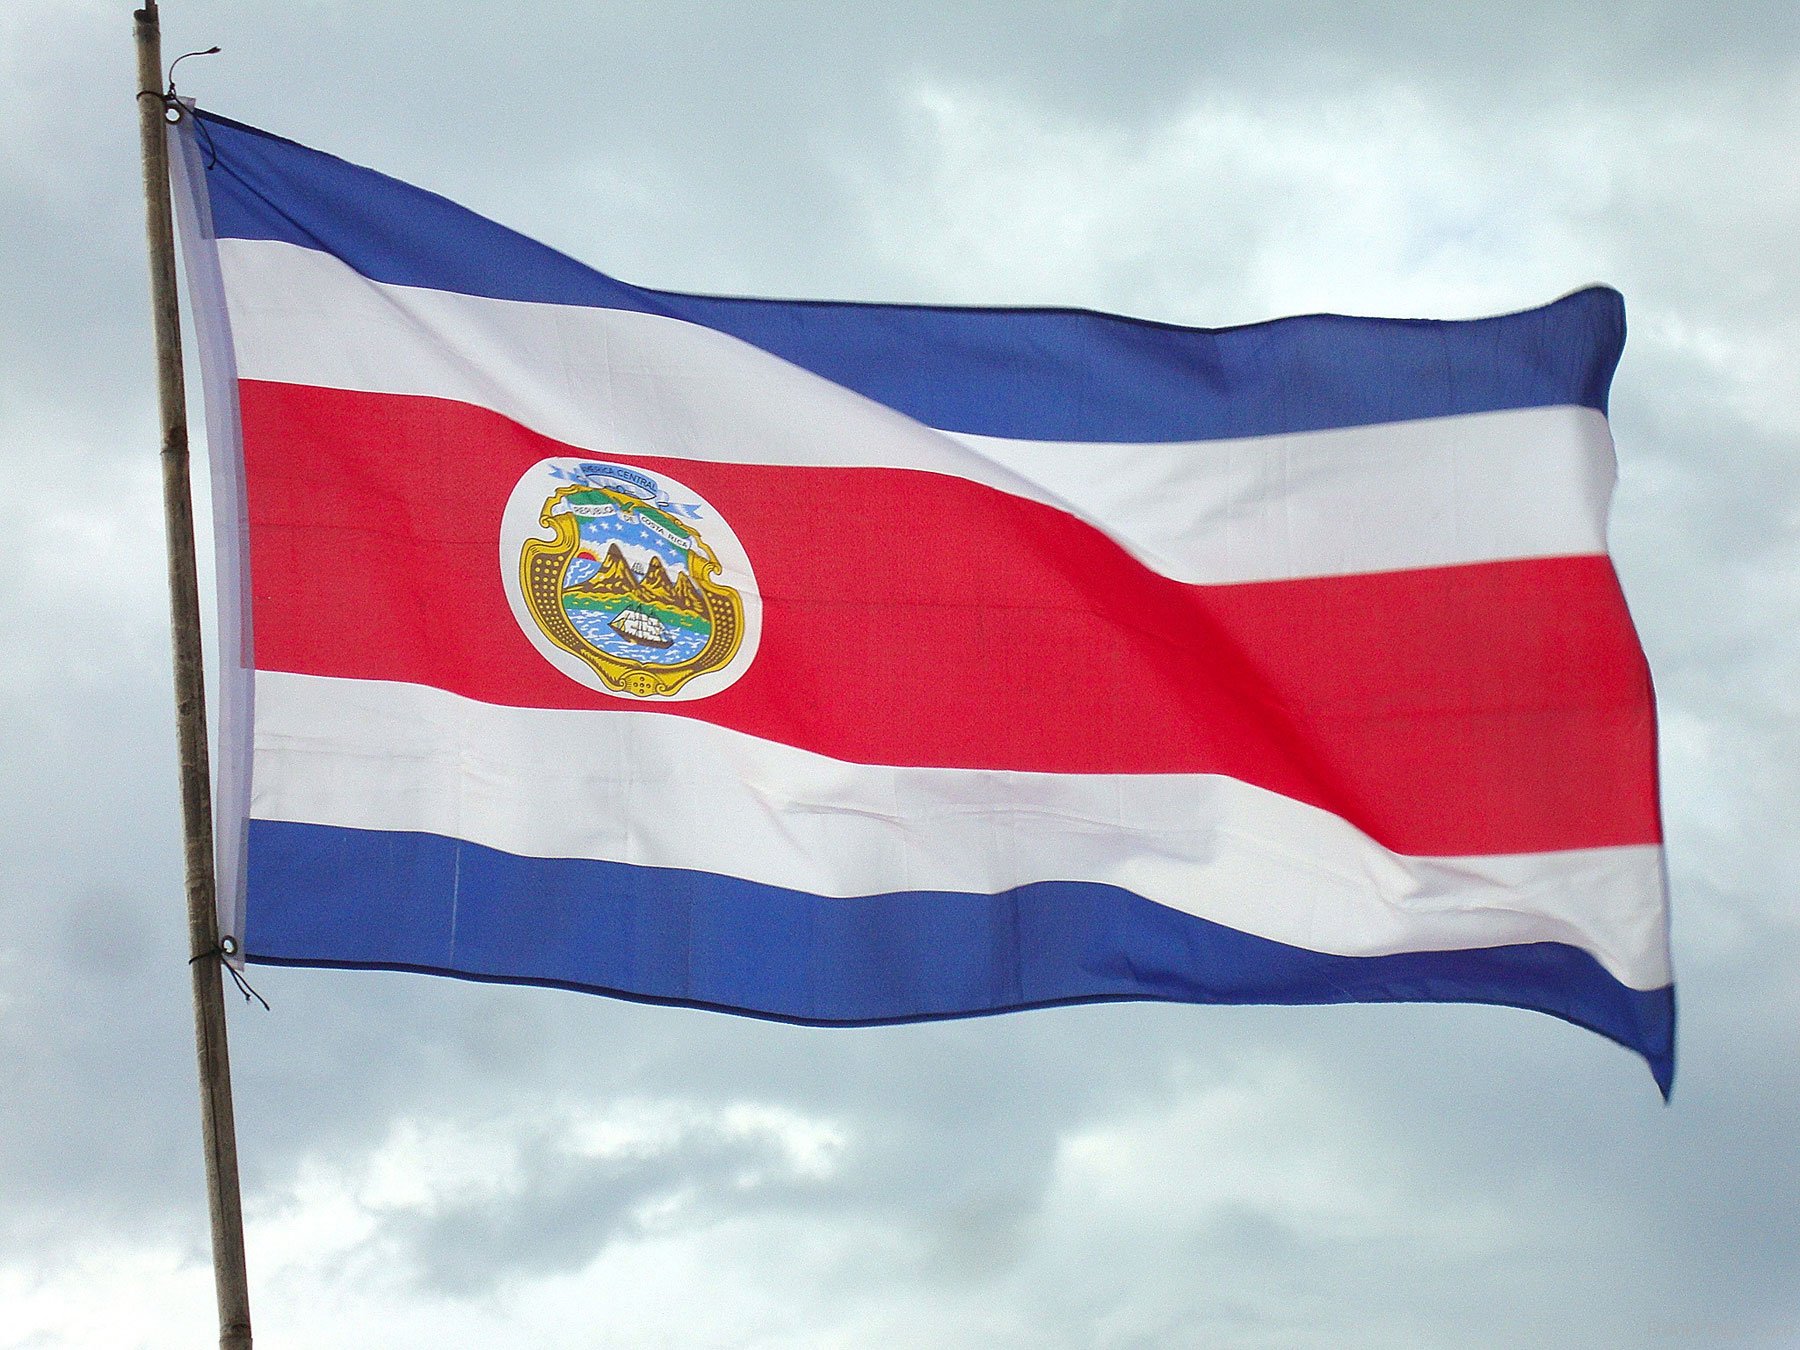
(592, 624)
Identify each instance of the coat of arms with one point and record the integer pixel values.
(638, 580)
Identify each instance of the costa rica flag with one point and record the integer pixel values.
(853, 663)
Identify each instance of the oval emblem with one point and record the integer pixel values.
(628, 582)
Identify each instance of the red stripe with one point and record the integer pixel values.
(912, 619)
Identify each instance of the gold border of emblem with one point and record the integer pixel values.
(543, 563)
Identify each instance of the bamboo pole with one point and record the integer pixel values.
(217, 1125)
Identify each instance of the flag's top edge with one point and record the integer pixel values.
(1599, 291)
(1030, 372)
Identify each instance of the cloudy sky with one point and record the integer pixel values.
(430, 1163)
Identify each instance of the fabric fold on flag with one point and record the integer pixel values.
(847, 663)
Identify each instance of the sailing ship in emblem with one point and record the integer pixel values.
(627, 583)
(636, 626)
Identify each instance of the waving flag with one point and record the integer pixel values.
(855, 663)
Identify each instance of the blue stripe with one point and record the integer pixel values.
(1032, 374)
(326, 896)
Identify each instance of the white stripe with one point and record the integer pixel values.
(1526, 483)
(668, 791)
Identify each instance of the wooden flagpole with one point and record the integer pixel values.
(206, 960)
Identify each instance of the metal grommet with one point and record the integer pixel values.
(228, 945)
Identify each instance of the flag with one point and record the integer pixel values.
(856, 663)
